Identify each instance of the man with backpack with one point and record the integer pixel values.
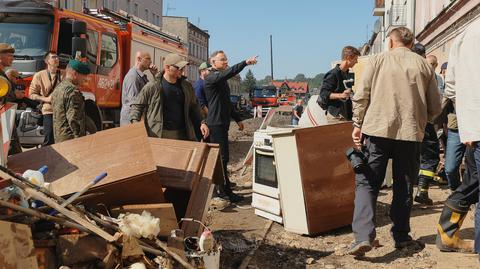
(334, 97)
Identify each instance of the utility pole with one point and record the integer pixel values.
(271, 57)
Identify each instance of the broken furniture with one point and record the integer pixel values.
(139, 169)
(317, 183)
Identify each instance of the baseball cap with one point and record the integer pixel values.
(175, 60)
(80, 67)
(6, 48)
(204, 65)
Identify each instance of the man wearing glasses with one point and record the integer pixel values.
(220, 110)
(169, 104)
(41, 88)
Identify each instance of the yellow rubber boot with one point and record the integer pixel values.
(447, 232)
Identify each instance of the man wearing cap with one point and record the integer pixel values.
(133, 82)
(68, 103)
(199, 87)
(169, 104)
(41, 88)
(220, 110)
(6, 59)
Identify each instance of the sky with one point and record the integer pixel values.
(307, 34)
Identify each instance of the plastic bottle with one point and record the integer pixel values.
(36, 176)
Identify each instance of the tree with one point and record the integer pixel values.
(300, 78)
(249, 82)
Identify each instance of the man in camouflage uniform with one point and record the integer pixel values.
(68, 104)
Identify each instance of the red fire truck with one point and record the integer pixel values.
(107, 40)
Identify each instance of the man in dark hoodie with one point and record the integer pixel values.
(169, 104)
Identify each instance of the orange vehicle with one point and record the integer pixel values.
(106, 40)
(265, 96)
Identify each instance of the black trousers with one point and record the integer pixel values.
(467, 193)
(430, 156)
(219, 135)
(48, 130)
(405, 156)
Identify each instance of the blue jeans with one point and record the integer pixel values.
(295, 121)
(453, 158)
(477, 212)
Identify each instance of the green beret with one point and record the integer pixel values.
(80, 67)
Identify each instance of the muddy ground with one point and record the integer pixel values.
(239, 230)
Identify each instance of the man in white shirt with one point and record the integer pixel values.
(461, 86)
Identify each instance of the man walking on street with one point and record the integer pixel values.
(199, 87)
(41, 88)
(220, 110)
(68, 103)
(461, 86)
(169, 104)
(430, 150)
(389, 118)
(134, 81)
(334, 97)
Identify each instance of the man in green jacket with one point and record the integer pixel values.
(169, 105)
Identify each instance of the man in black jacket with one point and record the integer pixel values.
(220, 110)
(334, 98)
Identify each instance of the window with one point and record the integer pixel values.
(128, 6)
(85, 3)
(92, 46)
(135, 10)
(108, 55)
(105, 3)
(114, 5)
(65, 4)
(146, 14)
(398, 15)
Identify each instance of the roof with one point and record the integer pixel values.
(297, 87)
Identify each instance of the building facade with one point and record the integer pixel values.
(391, 14)
(148, 10)
(439, 22)
(194, 38)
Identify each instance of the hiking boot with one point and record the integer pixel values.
(407, 242)
(360, 248)
(422, 198)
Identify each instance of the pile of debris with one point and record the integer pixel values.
(114, 199)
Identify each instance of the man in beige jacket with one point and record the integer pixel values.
(397, 96)
(41, 88)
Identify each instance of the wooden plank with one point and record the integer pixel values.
(69, 214)
(165, 212)
(122, 152)
(327, 177)
(202, 192)
(178, 162)
(5, 183)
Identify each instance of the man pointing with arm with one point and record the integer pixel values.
(220, 110)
